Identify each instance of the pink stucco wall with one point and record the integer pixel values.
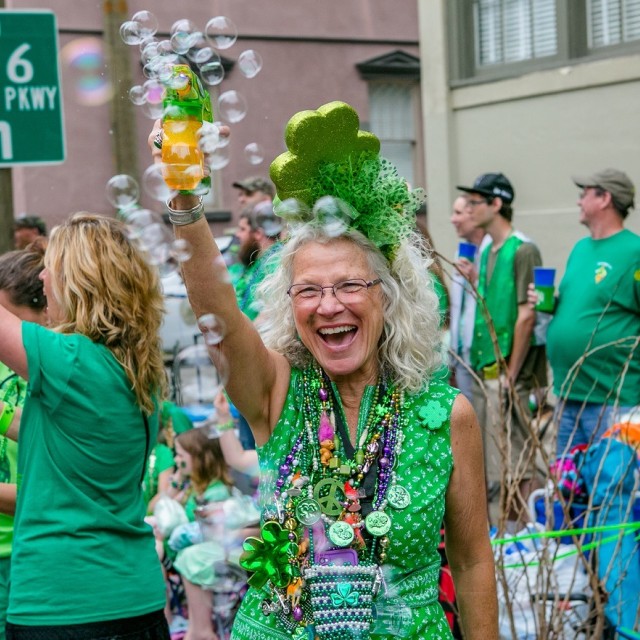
(309, 49)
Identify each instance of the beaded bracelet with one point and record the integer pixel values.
(188, 216)
(6, 417)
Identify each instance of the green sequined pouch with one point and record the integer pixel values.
(342, 599)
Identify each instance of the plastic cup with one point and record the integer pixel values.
(467, 250)
(543, 278)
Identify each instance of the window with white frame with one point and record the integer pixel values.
(392, 118)
(514, 30)
(613, 22)
(502, 38)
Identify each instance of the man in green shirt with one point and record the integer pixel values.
(511, 372)
(593, 336)
(258, 232)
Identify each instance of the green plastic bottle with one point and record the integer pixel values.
(186, 105)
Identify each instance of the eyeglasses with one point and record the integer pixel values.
(346, 291)
(474, 203)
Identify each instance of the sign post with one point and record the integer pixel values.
(31, 124)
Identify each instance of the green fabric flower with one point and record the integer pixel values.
(432, 415)
(268, 558)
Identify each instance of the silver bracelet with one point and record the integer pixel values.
(188, 216)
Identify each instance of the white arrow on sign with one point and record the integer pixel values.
(6, 148)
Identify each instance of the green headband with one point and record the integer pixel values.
(329, 156)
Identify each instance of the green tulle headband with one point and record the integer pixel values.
(334, 170)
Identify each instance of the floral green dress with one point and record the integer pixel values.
(424, 467)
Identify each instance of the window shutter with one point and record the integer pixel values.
(514, 30)
(613, 22)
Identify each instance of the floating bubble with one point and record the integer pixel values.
(224, 140)
(221, 32)
(148, 51)
(165, 48)
(181, 250)
(208, 137)
(136, 95)
(202, 56)
(183, 26)
(212, 73)
(151, 110)
(136, 220)
(153, 91)
(254, 153)
(232, 106)
(200, 380)
(85, 60)
(168, 268)
(130, 32)
(181, 42)
(213, 329)
(147, 23)
(219, 159)
(334, 214)
(250, 63)
(122, 191)
(154, 184)
(291, 210)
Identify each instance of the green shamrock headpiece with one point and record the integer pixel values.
(328, 155)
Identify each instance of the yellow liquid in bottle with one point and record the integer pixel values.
(183, 163)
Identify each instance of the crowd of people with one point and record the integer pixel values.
(588, 341)
(368, 441)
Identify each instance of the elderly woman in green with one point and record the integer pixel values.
(363, 451)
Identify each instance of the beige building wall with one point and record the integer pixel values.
(538, 129)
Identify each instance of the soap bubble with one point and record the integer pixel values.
(221, 32)
(224, 140)
(152, 110)
(250, 63)
(122, 191)
(183, 26)
(208, 137)
(136, 95)
(153, 91)
(199, 380)
(213, 328)
(219, 159)
(181, 250)
(147, 23)
(136, 220)
(184, 34)
(254, 153)
(130, 32)
(149, 51)
(85, 60)
(154, 184)
(232, 106)
(212, 73)
(334, 214)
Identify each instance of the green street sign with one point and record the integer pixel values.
(31, 128)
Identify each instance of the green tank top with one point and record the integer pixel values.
(424, 467)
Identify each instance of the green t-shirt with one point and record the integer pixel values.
(598, 303)
(82, 552)
(13, 389)
(246, 280)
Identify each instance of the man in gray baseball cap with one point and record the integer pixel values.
(616, 182)
(592, 338)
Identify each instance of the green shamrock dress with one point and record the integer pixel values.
(412, 567)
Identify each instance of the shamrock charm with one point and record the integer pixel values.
(269, 558)
(432, 415)
(344, 597)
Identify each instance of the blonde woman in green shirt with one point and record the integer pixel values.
(95, 379)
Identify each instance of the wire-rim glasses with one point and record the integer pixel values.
(346, 291)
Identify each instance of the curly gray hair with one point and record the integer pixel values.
(410, 346)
